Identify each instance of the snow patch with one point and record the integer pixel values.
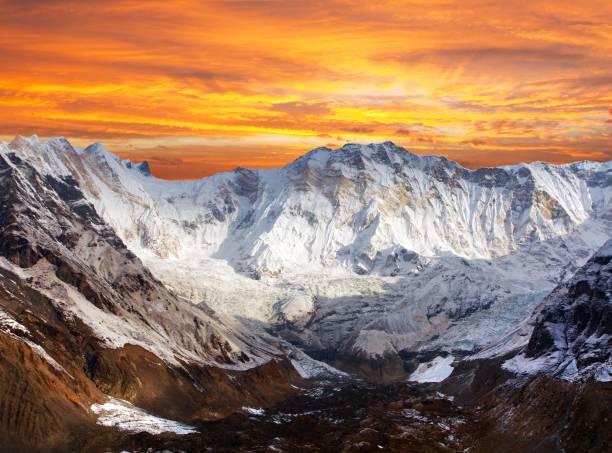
(15, 330)
(525, 365)
(126, 417)
(434, 371)
(254, 410)
(604, 373)
(9, 325)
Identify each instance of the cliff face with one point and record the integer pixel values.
(572, 335)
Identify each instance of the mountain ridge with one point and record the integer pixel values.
(99, 146)
(325, 248)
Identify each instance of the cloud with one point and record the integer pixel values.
(505, 79)
(474, 142)
(302, 108)
(566, 56)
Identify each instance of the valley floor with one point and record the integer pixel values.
(328, 417)
(361, 417)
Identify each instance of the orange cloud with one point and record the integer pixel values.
(198, 87)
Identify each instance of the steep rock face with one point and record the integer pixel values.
(358, 208)
(572, 334)
(531, 413)
(548, 385)
(54, 367)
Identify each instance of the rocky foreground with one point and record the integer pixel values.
(534, 415)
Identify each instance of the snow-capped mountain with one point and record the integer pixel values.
(150, 305)
(53, 236)
(364, 252)
(358, 207)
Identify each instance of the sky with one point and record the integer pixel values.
(197, 87)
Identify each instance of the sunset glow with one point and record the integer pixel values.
(198, 87)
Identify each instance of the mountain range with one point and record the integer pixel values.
(130, 303)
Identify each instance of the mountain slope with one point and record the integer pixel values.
(373, 259)
(548, 386)
(48, 217)
(353, 208)
(356, 206)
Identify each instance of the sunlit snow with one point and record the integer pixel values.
(435, 371)
(126, 417)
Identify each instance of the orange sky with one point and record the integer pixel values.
(196, 87)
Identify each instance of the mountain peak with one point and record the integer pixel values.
(370, 148)
(20, 141)
(98, 150)
(353, 155)
(142, 167)
(35, 144)
(59, 143)
(95, 148)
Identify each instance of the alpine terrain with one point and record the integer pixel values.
(358, 299)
